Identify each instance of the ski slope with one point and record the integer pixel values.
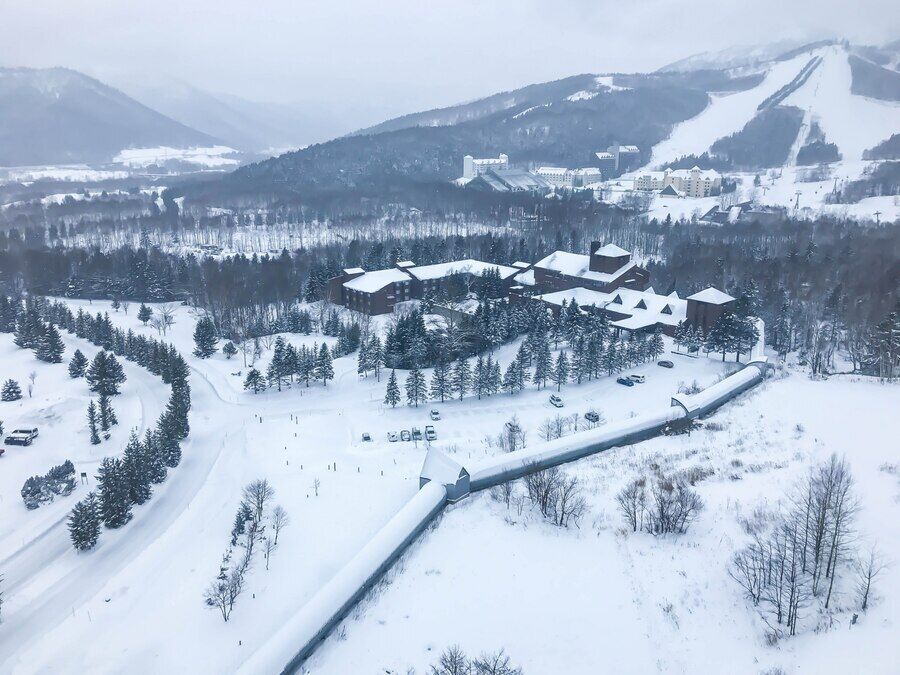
(725, 114)
(854, 123)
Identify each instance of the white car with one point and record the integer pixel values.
(393, 437)
(434, 414)
(556, 401)
(22, 436)
(638, 379)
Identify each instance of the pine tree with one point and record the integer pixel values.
(205, 338)
(51, 347)
(480, 379)
(229, 350)
(543, 363)
(106, 413)
(105, 374)
(440, 380)
(11, 391)
(324, 368)
(92, 422)
(156, 466)
(84, 523)
(166, 440)
(723, 336)
(136, 471)
(392, 396)
(560, 374)
(362, 360)
(415, 387)
(376, 356)
(254, 381)
(115, 502)
(656, 346)
(495, 379)
(277, 371)
(144, 314)
(511, 377)
(77, 365)
(461, 378)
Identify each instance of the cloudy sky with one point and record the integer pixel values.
(380, 58)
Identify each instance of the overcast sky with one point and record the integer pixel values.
(386, 57)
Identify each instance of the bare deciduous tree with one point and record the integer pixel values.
(632, 502)
(257, 494)
(868, 567)
(280, 521)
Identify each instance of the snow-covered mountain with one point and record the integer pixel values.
(842, 98)
(57, 115)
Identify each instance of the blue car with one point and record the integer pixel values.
(624, 380)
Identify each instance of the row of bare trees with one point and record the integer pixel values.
(453, 661)
(799, 562)
(663, 505)
(249, 530)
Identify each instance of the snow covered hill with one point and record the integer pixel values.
(853, 123)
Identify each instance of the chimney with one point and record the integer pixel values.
(594, 246)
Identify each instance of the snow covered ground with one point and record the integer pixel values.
(217, 156)
(77, 173)
(152, 573)
(577, 600)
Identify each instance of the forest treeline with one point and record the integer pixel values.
(823, 285)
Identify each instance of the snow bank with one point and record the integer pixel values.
(299, 637)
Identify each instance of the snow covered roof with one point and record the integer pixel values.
(469, 266)
(354, 270)
(406, 263)
(370, 282)
(644, 308)
(526, 278)
(604, 155)
(521, 264)
(439, 468)
(552, 170)
(611, 251)
(579, 265)
(711, 295)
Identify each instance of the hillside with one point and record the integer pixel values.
(563, 122)
(56, 115)
(250, 126)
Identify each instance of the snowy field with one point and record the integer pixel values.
(153, 572)
(601, 599)
(217, 156)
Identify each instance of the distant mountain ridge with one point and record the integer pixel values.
(57, 115)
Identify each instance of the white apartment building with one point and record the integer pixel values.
(688, 182)
(473, 167)
(568, 178)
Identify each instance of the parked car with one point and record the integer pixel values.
(404, 435)
(556, 401)
(430, 435)
(416, 434)
(434, 414)
(624, 380)
(366, 438)
(393, 437)
(592, 416)
(22, 436)
(639, 379)
(2, 450)
(666, 364)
